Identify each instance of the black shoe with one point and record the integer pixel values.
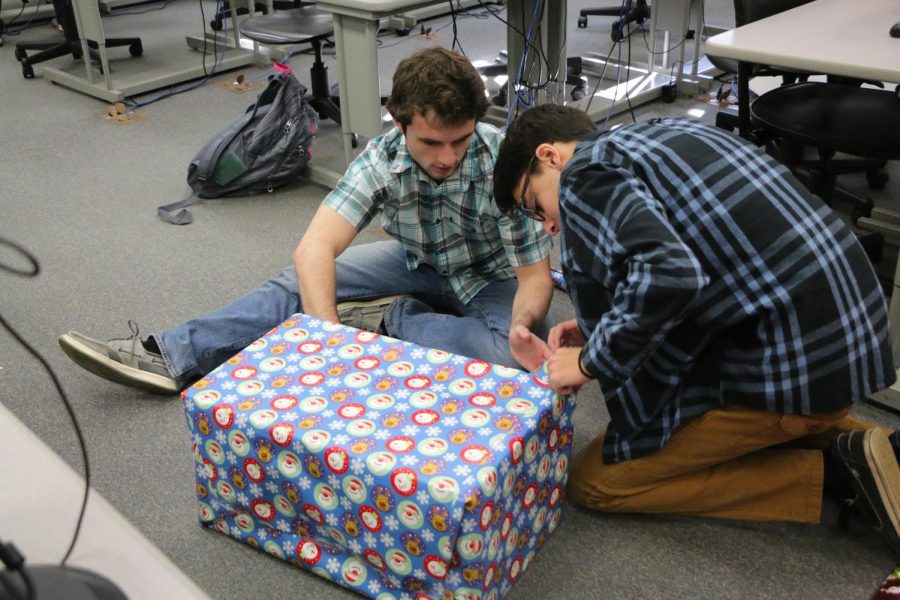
(866, 458)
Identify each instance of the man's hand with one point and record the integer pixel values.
(565, 334)
(565, 374)
(529, 350)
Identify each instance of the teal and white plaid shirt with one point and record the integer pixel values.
(453, 226)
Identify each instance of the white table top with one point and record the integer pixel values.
(373, 9)
(40, 496)
(839, 37)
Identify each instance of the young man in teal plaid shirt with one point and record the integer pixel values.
(457, 273)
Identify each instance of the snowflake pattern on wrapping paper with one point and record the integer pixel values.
(388, 468)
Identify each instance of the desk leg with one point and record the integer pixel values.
(744, 70)
(550, 33)
(356, 47)
(554, 29)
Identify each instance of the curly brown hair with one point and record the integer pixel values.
(441, 80)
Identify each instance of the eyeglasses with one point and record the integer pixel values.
(536, 213)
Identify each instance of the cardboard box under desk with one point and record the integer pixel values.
(391, 469)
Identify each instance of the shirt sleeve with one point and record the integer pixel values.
(359, 194)
(524, 240)
(651, 277)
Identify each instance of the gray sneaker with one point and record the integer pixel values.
(366, 314)
(122, 361)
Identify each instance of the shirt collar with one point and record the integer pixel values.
(476, 164)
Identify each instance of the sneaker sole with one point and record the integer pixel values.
(374, 305)
(380, 301)
(102, 366)
(886, 472)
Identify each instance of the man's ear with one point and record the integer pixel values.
(548, 154)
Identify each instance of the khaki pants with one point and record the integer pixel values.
(720, 464)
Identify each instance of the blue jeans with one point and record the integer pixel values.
(433, 316)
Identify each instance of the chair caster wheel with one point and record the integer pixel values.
(20, 54)
(216, 24)
(354, 140)
(616, 33)
(877, 179)
(577, 93)
(136, 49)
(582, 22)
(27, 72)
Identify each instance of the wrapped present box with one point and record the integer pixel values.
(391, 469)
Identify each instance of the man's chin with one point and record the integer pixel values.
(440, 174)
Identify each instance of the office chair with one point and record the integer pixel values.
(831, 118)
(224, 10)
(304, 25)
(629, 11)
(748, 11)
(65, 14)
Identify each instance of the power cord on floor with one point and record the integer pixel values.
(10, 556)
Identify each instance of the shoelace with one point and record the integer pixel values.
(135, 335)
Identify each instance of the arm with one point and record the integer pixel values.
(619, 230)
(533, 295)
(327, 235)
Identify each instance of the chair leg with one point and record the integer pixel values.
(135, 47)
(48, 53)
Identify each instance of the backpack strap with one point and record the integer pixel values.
(182, 217)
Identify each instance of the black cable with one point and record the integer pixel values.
(24, 26)
(602, 75)
(453, 11)
(684, 37)
(515, 29)
(174, 91)
(627, 89)
(62, 394)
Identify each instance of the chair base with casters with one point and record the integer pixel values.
(628, 12)
(304, 25)
(573, 77)
(70, 45)
(831, 118)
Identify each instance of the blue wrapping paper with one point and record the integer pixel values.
(394, 470)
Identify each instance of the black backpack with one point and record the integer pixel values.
(263, 149)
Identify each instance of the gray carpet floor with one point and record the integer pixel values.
(81, 194)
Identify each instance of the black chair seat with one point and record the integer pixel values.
(840, 118)
(304, 25)
(294, 26)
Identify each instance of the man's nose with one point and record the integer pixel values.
(447, 155)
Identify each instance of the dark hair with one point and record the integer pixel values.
(546, 123)
(439, 79)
